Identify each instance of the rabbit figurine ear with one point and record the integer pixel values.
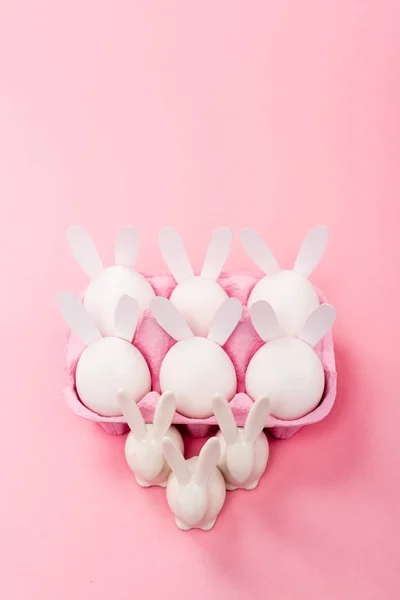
(127, 247)
(225, 418)
(208, 459)
(174, 254)
(126, 317)
(84, 251)
(258, 251)
(257, 419)
(217, 252)
(265, 321)
(163, 414)
(133, 416)
(176, 462)
(77, 318)
(170, 319)
(318, 324)
(225, 321)
(311, 251)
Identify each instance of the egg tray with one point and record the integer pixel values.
(153, 342)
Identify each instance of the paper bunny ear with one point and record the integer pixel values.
(265, 321)
(169, 318)
(77, 318)
(84, 251)
(225, 320)
(164, 414)
(257, 419)
(208, 459)
(217, 252)
(133, 416)
(176, 461)
(127, 247)
(257, 249)
(174, 254)
(126, 317)
(225, 418)
(311, 251)
(318, 324)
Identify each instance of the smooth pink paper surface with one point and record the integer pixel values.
(272, 115)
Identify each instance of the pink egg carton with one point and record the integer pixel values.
(153, 342)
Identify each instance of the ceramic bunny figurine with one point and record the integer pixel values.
(197, 297)
(290, 293)
(287, 369)
(195, 368)
(244, 450)
(108, 363)
(109, 284)
(195, 489)
(143, 450)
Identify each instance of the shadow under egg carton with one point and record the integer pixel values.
(153, 342)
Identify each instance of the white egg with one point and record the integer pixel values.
(291, 295)
(105, 290)
(198, 299)
(194, 369)
(105, 367)
(290, 373)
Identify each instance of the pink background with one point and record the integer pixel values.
(276, 115)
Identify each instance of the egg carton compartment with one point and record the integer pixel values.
(153, 342)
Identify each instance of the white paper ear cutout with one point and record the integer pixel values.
(126, 317)
(174, 254)
(133, 416)
(170, 319)
(164, 413)
(318, 324)
(217, 252)
(208, 459)
(77, 318)
(176, 461)
(127, 247)
(258, 251)
(311, 251)
(84, 251)
(265, 321)
(257, 418)
(225, 320)
(225, 418)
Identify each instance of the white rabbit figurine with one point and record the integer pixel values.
(290, 293)
(109, 284)
(143, 449)
(195, 368)
(108, 363)
(287, 369)
(244, 450)
(197, 297)
(196, 488)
